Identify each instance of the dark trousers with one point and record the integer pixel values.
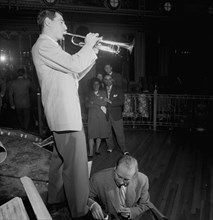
(68, 174)
(118, 128)
(23, 115)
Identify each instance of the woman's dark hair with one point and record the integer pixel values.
(93, 80)
(48, 13)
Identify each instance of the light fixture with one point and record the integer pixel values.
(114, 4)
(3, 56)
(167, 6)
(50, 2)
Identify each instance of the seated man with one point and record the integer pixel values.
(122, 193)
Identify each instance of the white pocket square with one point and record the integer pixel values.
(103, 108)
(115, 95)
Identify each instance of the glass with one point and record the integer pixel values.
(122, 178)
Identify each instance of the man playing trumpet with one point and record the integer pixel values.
(59, 74)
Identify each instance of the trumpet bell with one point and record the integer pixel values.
(130, 46)
(115, 47)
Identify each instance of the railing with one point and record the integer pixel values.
(168, 110)
(156, 111)
(138, 110)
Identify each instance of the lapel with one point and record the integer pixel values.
(114, 198)
(111, 92)
(131, 193)
(112, 192)
(113, 76)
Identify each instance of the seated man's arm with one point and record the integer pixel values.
(143, 202)
(94, 207)
(92, 191)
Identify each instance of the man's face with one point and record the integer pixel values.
(108, 80)
(108, 69)
(58, 27)
(123, 175)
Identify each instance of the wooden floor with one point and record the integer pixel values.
(179, 165)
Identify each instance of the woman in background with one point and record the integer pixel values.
(97, 124)
(100, 77)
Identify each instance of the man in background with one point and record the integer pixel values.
(115, 102)
(117, 78)
(20, 98)
(2, 87)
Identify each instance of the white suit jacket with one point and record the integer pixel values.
(58, 73)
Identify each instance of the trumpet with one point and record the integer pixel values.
(105, 45)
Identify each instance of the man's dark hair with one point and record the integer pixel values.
(48, 13)
(106, 75)
(108, 64)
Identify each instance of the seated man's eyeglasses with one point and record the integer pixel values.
(122, 178)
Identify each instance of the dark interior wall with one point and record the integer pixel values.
(186, 32)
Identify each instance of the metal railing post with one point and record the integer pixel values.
(40, 125)
(155, 110)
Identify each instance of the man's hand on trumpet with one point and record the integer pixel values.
(92, 40)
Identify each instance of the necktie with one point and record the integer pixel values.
(108, 92)
(122, 193)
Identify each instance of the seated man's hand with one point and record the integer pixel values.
(125, 212)
(97, 212)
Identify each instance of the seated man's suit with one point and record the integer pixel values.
(104, 190)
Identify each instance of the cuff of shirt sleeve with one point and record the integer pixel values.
(130, 216)
(90, 208)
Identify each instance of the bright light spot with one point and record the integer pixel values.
(2, 58)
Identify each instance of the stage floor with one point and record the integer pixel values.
(179, 166)
(23, 159)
